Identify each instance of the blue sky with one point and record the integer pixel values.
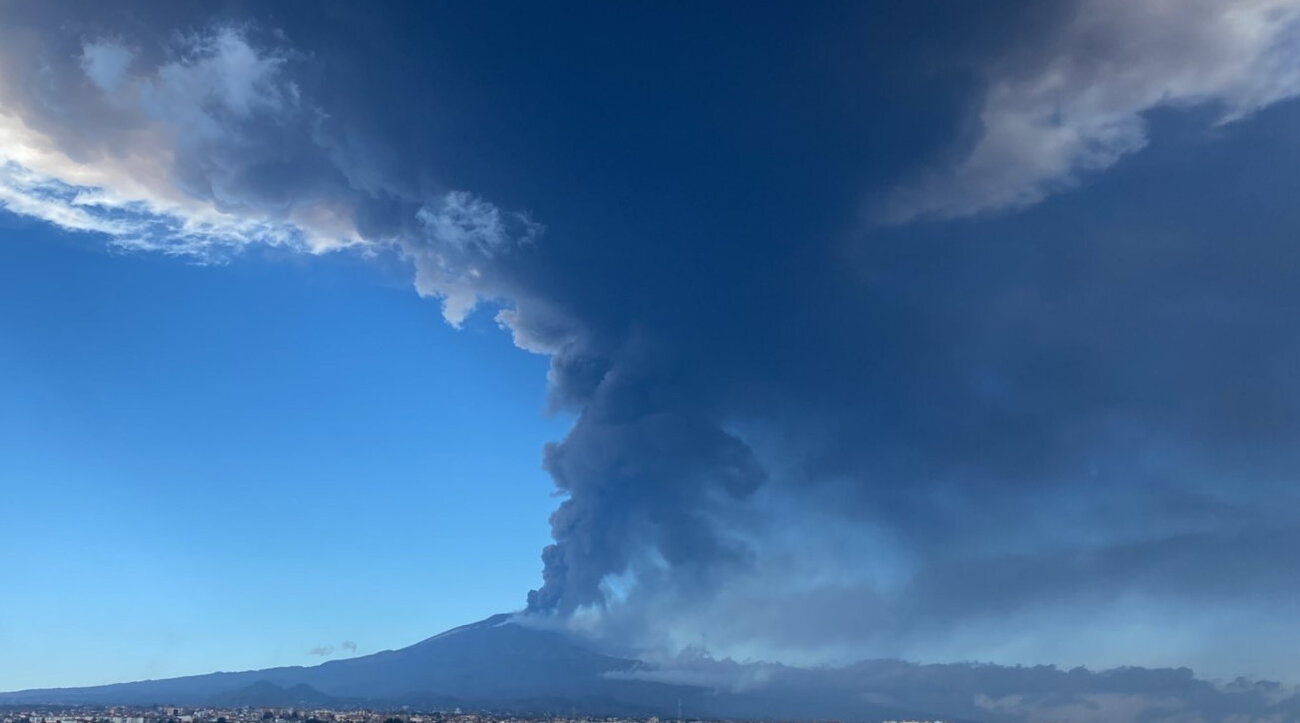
(943, 332)
(222, 467)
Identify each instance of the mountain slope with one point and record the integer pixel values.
(494, 663)
(500, 665)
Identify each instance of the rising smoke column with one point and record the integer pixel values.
(643, 471)
(1015, 415)
(207, 142)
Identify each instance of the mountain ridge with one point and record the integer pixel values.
(500, 665)
(493, 663)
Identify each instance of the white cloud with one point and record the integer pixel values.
(173, 156)
(1074, 102)
(463, 233)
(124, 184)
(28, 194)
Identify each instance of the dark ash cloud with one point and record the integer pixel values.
(798, 437)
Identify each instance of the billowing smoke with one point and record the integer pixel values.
(907, 436)
(645, 470)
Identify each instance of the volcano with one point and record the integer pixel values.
(493, 664)
(503, 665)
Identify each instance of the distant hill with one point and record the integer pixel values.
(501, 665)
(266, 694)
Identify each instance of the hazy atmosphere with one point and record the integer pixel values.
(807, 333)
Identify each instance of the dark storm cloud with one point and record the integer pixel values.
(904, 430)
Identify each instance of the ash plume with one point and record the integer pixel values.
(1067, 416)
